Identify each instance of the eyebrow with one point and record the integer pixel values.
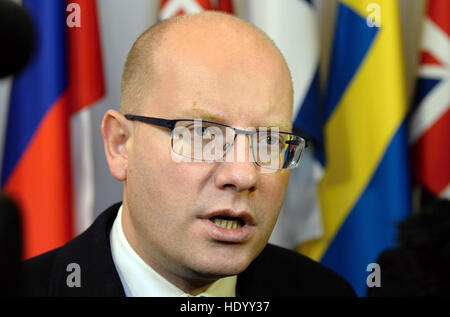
(204, 115)
(208, 116)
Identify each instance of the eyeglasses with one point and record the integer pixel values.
(200, 140)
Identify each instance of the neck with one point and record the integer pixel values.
(192, 286)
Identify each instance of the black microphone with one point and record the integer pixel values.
(10, 248)
(17, 39)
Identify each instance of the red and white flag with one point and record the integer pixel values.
(171, 8)
(430, 121)
(87, 88)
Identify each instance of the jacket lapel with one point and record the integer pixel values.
(91, 251)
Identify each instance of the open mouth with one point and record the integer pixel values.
(228, 222)
(229, 226)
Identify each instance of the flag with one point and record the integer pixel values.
(63, 77)
(171, 8)
(298, 40)
(86, 87)
(365, 190)
(430, 120)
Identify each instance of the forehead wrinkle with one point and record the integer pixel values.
(198, 113)
(282, 124)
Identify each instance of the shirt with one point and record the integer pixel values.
(140, 280)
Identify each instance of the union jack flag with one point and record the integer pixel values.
(430, 121)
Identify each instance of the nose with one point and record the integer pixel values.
(239, 175)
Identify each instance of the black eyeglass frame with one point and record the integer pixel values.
(171, 123)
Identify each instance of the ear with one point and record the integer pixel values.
(116, 133)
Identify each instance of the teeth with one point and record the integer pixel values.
(228, 224)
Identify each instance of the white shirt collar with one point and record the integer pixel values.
(139, 279)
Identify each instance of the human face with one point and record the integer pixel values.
(168, 205)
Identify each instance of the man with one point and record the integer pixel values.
(188, 225)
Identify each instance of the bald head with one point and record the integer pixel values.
(210, 36)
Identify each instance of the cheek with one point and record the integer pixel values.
(273, 189)
(146, 163)
(162, 182)
(160, 191)
(275, 184)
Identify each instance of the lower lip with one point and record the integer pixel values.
(238, 235)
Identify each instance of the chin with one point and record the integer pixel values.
(222, 265)
(215, 273)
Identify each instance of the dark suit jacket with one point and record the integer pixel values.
(275, 272)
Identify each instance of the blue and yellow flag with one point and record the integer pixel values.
(365, 190)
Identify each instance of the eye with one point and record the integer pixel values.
(270, 140)
(201, 131)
